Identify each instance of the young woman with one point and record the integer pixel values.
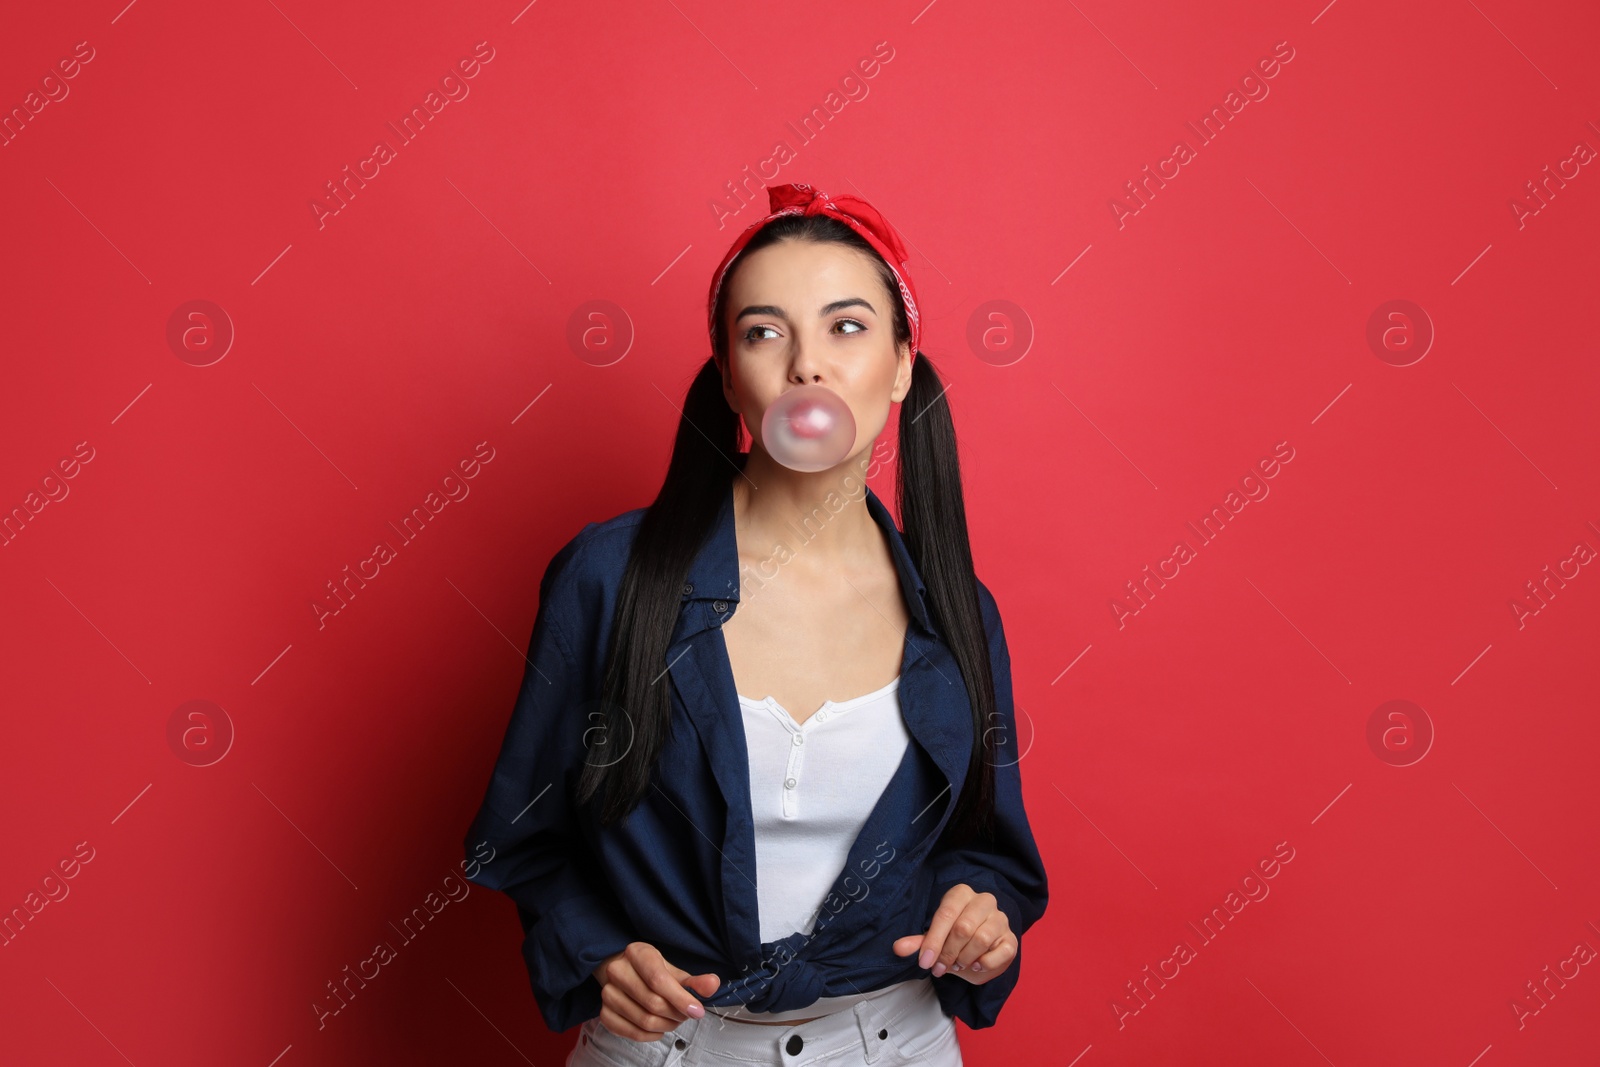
(760, 798)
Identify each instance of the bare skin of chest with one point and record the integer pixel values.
(805, 638)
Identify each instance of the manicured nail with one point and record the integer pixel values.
(697, 1011)
(938, 969)
(926, 959)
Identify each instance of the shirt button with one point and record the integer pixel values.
(790, 783)
(688, 589)
(799, 739)
(719, 606)
(822, 716)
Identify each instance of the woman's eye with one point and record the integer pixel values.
(753, 333)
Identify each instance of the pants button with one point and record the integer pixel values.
(795, 1045)
(883, 1035)
(680, 1043)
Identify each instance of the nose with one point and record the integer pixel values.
(804, 367)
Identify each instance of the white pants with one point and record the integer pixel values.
(906, 1025)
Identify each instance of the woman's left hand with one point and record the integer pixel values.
(969, 936)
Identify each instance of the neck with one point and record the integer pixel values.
(818, 520)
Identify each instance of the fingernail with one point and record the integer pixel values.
(938, 969)
(977, 966)
(926, 959)
(697, 1011)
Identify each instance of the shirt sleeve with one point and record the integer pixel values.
(524, 840)
(1008, 865)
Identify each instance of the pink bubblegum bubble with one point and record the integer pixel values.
(809, 428)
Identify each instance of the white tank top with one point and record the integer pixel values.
(812, 786)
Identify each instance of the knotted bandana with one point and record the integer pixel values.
(860, 216)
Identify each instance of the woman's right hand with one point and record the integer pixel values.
(642, 996)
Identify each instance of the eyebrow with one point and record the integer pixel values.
(827, 309)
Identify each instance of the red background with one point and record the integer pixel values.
(1144, 364)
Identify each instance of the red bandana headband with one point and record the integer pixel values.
(855, 213)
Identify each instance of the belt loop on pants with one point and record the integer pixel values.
(874, 1030)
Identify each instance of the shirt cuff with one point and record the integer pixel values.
(979, 1005)
(562, 950)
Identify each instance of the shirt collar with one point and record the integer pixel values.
(714, 573)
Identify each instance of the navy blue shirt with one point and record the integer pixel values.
(679, 872)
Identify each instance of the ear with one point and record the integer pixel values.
(902, 378)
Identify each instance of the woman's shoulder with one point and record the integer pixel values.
(592, 559)
(597, 539)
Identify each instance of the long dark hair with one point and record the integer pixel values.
(634, 696)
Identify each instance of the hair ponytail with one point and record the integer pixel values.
(933, 519)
